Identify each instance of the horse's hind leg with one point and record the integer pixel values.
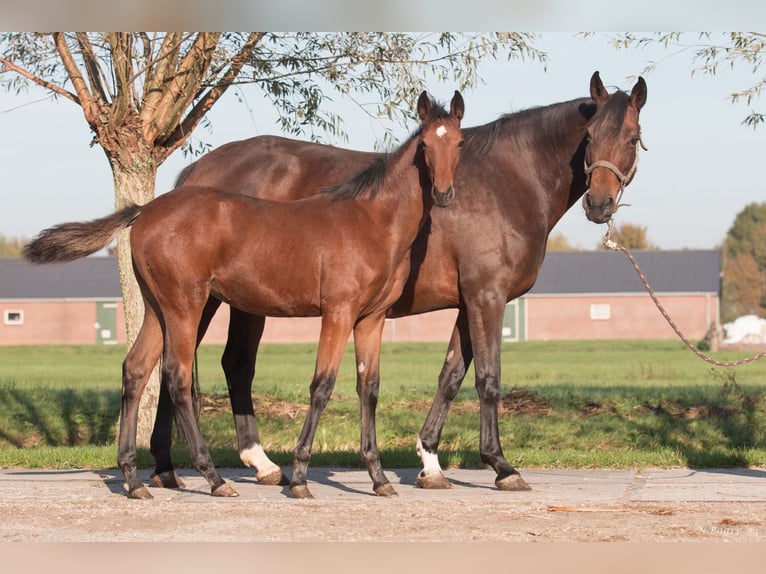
(367, 339)
(238, 363)
(136, 369)
(180, 339)
(164, 475)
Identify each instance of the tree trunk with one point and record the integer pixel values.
(135, 184)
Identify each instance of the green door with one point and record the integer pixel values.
(106, 323)
(513, 321)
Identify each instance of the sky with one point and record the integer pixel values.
(703, 166)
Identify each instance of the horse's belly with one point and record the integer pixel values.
(262, 298)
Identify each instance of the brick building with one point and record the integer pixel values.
(578, 295)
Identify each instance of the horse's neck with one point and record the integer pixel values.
(402, 200)
(402, 187)
(558, 155)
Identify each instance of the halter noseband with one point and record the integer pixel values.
(624, 179)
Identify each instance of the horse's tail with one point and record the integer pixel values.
(70, 241)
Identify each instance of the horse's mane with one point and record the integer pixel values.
(370, 180)
(479, 140)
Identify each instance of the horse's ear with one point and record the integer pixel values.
(638, 95)
(457, 106)
(597, 90)
(424, 106)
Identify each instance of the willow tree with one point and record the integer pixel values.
(143, 94)
(709, 53)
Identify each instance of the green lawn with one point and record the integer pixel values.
(565, 404)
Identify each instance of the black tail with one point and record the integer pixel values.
(70, 241)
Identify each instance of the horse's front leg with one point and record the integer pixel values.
(336, 327)
(485, 323)
(238, 361)
(367, 339)
(453, 372)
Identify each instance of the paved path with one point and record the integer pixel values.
(679, 504)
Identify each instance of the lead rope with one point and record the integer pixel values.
(609, 244)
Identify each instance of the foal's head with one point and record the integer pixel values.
(611, 155)
(440, 141)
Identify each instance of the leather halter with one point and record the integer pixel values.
(624, 179)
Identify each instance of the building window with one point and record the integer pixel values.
(13, 317)
(600, 311)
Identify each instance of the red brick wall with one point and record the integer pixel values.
(631, 317)
(50, 323)
(634, 317)
(73, 322)
(435, 326)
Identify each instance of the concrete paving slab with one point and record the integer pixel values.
(548, 486)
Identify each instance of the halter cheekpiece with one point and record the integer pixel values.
(624, 179)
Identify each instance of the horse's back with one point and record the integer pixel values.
(273, 167)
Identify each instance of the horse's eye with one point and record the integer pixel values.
(461, 143)
(422, 145)
(634, 141)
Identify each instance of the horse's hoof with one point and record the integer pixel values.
(385, 490)
(274, 478)
(433, 481)
(167, 479)
(140, 493)
(512, 482)
(300, 491)
(224, 491)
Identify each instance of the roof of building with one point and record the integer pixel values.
(89, 278)
(562, 273)
(581, 272)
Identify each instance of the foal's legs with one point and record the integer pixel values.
(136, 368)
(367, 340)
(238, 363)
(336, 327)
(178, 359)
(164, 475)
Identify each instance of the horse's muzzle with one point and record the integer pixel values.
(442, 199)
(598, 212)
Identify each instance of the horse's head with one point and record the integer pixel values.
(611, 155)
(440, 141)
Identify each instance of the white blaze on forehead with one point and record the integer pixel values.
(440, 131)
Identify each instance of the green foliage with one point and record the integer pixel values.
(744, 266)
(299, 72)
(630, 236)
(710, 52)
(612, 404)
(10, 246)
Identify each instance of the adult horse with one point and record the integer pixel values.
(343, 254)
(518, 176)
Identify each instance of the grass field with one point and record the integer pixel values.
(620, 404)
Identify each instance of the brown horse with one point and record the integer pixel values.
(518, 175)
(343, 254)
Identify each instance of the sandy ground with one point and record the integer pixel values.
(630, 506)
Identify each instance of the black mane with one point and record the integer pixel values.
(479, 140)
